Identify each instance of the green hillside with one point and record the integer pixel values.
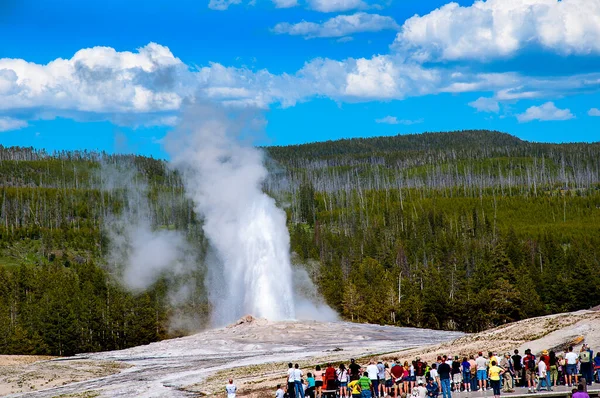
(462, 230)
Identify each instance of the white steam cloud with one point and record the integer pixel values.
(248, 265)
(249, 269)
(140, 252)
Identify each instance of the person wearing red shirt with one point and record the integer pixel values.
(397, 372)
(330, 378)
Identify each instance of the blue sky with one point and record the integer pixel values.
(115, 75)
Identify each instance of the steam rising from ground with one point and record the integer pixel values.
(250, 270)
(143, 252)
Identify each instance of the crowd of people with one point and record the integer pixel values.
(447, 375)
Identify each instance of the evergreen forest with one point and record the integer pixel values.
(461, 231)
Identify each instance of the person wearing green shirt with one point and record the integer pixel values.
(365, 386)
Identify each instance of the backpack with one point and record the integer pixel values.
(584, 356)
(530, 363)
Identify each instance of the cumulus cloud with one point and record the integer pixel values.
(594, 112)
(545, 112)
(501, 28)
(394, 120)
(149, 86)
(483, 104)
(339, 26)
(97, 79)
(336, 5)
(9, 123)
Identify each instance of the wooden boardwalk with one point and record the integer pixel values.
(558, 391)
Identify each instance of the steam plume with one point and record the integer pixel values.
(250, 270)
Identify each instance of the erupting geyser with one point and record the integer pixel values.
(250, 271)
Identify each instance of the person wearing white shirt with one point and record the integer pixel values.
(231, 389)
(420, 391)
(572, 360)
(291, 384)
(279, 393)
(298, 382)
(373, 372)
(542, 371)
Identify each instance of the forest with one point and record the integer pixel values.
(461, 231)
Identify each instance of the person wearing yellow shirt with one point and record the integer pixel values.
(494, 373)
(355, 388)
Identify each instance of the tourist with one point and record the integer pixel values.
(381, 378)
(571, 360)
(518, 364)
(330, 378)
(354, 370)
(411, 375)
(466, 374)
(432, 388)
(492, 357)
(585, 359)
(580, 392)
(481, 364)
(444, 371)
(343, 378)
(546, 359)
(389, 379)
(230, 388)
(562, 369)
(419, 371)
(354, 387)
(529, 365)
(506, 364)
(319, 381)
(373, 373)
(553, 369)
(495, 372)
(420, 391)
(433, 374)
(291, 383)
(279, 393)
(543, 375)
(365, 385)
(597, 367)
(397, 373)
(456, 374)
(473, 368)
(310, 386)
(298, 382)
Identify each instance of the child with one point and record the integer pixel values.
(279, 393)
(310, 385)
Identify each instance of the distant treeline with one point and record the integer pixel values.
(463, 231)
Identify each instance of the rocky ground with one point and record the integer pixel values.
(255, 353)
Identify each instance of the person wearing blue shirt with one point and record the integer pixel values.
(433, 390)
(597, 367)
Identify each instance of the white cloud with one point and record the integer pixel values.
(222, 5)
(285, 3)
(339, 26)
(501, 28)
(336, 5)
(8, 123)
(545, 112)
(594, 112)
(395, 120)
(97, 79)
(149, 86)
(483, 104)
